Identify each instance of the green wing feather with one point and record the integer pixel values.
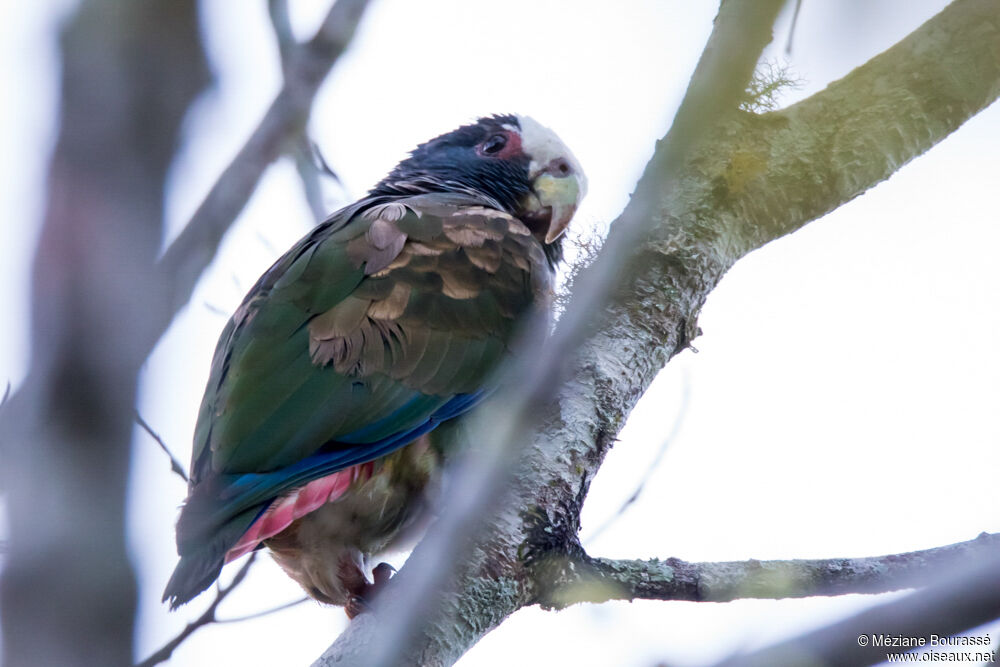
(379, 305)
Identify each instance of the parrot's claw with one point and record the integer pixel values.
(360, 601)
(382, 573)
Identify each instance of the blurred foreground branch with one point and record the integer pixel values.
(129, 73)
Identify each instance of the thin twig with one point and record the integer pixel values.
(770, 80)
(207, 618)
(175, 465)
(215, 310)
(263, 612)
(310, 172)
(651, 468)
(321, 163)
(791, 29)
(266, 243)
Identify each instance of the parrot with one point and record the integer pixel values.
(316, 433)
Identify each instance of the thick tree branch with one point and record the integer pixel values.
(760, 178)
(285, 120)
(947, 607)
(575, 577)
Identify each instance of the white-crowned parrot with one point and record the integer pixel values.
(385, 321)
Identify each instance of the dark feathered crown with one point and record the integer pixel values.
(449, 163)
(468, 135)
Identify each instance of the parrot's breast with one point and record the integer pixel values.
(383, 507)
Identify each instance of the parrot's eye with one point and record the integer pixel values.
(494, 144)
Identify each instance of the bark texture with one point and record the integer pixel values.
(579, 578)
(759, 178)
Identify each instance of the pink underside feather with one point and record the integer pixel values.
(284, 511)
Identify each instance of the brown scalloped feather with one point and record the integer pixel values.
(486, 257)
(447, 276)
(391, 307)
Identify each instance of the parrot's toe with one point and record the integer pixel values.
(356, 605)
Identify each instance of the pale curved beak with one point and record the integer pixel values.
(561, 192)
(557, 180)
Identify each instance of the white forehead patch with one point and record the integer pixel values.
(543, 145)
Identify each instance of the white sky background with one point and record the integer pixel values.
(844, 398)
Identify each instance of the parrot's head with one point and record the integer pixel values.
(513, 162)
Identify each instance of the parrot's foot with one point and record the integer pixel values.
(360, 599)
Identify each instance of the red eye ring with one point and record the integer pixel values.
(493, 144)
